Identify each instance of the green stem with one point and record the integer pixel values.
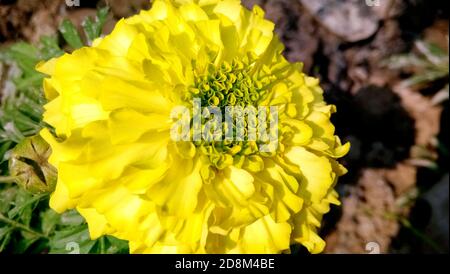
(102, 245)
(421, 235)
(20, 226)
(5, 242)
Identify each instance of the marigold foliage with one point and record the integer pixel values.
(110, 105)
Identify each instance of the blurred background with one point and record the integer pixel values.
(383, 63)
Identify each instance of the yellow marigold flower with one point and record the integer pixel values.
(111, 108)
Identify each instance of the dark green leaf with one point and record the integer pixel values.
(23, 244)
(4, 241)
(117, 246)
(3, 231)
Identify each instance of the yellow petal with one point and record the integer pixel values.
(266, 236)
(98, 225)
(128, 125)
(317, 174)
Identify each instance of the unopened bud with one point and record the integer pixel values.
(29, 165)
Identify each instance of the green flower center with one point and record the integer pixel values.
(232, 84)
(234, 89)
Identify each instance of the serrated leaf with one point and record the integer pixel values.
(26, 56)
(89, 29)
(50, 47)
(102, 15)
(93, 28)
(70, 34)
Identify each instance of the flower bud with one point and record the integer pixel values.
(29, 166)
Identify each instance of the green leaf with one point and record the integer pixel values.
(4, 231)
(29, 82)
(25, 55)
(21, 111)
(117, 246)
(28, 223)
(7, 196)
(3, 149)
(102, 15)
(71, 236)
(23, 244)
(70, 34)
(71, 218)
(93, 28)
(50, 47)
(6, 238)
(78, 236)
(89, 29)
(49, 220)
(22, 201)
